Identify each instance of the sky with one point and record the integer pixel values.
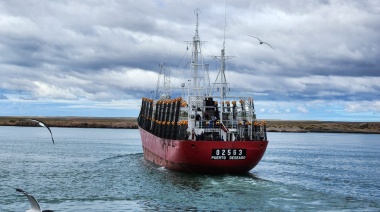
(99, 57)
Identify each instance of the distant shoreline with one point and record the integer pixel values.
(131, 123)
(75, 122)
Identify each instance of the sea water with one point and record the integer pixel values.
(104, 170)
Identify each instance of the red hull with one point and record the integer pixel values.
(197, 156)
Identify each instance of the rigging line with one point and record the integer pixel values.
(220, 73)
(186, 65)
(182, 76)
(216, 78)
(170, 53)
(177, 66)
(212, 55)
(182, 58)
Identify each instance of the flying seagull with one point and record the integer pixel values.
(261, 42)
(42, 124)
(33, 202)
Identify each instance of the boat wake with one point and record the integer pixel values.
(115, 157)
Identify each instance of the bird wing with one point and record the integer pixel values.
(255, 37)
(33, 202)
(268, 45)
(50, 133)
(42, 124)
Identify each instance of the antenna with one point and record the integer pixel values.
(225, 24)
(197, 12)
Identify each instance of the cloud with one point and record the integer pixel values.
(2, 96)
(302, 109)
(109, 51)
(363, 106)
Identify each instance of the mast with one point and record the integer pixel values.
(200, 82)
(223, 81)
(196, 52)
(223, 85)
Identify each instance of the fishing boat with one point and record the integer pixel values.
(205, 129)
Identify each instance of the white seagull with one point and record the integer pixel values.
(42, 124)
(33, 202)
(261, 42)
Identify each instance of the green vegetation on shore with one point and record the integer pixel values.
(131, 123)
